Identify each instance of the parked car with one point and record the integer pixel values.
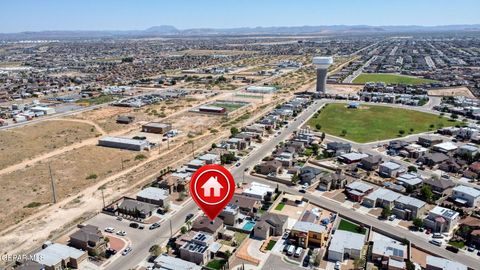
(285, 235)
(337, 265)
(452, 249)
(437, 236)
(141, 227)
(298, 251)
(134, 225)
(436, 242)
(188, 217)
(291, 250)
(119, 218)
(110, 230)
(122, 233)
(392, 217)
(306, 261)
(154, 226)
(126, 251)
(471, 248)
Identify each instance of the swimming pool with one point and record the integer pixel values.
(249, 225)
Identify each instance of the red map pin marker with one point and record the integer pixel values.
(212, 188)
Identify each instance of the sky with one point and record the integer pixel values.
(39, 15)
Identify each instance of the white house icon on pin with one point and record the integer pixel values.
(212, 183)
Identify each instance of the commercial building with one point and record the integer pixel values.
(155, 196)
(212, 109)
(156, 127)
(58, 256)
(345, 245)
(124, 143)
(261, 89)
(43, 110)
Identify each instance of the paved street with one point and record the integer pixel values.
(160, 236)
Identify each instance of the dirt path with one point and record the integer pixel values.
(99, 128)
(51, 221)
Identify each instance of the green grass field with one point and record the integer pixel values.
(350, 227)
(390, 79)
(230, 107)
(373, 123)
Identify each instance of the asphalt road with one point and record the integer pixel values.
(140, 250)
(141, 245)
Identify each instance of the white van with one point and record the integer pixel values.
(298, 252)
(290, 250)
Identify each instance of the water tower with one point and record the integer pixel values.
(321, 64)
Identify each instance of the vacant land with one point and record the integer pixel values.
(390, 79)
(372, 123)
(23, 191)
(31, 140)
(451, 92)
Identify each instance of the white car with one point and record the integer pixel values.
(126, 251)
(110, 230)
(337, 265)
(122, 233)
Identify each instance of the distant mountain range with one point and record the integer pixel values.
(171, 31)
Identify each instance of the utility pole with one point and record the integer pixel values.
(53, 184)
(171, 231)
(193, 149)
(103, 198)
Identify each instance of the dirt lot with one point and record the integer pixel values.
(451, 92)
(343, 89)
(419, 257)
(106, 117)
(32, 140)
(24, 191)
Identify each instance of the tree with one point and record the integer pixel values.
(427, 193)
(234, 131)
(454, 116)
(183, 230)
(409, 264)
(318, 126)
(386, 212)
(401, 132)
(411, 130)
(214, 145)
(412, 168)
(417, 222)
(155, 250)
(344, 132)
(315, 149)
(295, 178)
(323, 136)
